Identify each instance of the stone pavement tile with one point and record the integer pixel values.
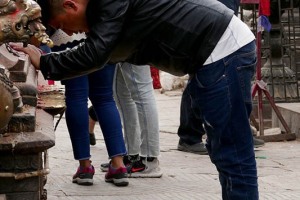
(186, 175)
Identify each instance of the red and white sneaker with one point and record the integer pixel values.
(118, 177)
(84, 175)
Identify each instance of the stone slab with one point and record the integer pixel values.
(23, 121)
(11, 162)
(24, 196)
(11, 185)
(28, 89)
(18, 73)
(291, 114)
(30, 142)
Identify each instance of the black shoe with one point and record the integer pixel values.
(258, 142)
(136, 166)
(92, 139)
(145, 168)
(198, 148)
(127, 160)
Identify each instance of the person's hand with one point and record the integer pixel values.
(33, 52)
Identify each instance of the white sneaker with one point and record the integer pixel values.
(152, 170)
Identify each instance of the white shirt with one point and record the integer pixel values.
(231, 40)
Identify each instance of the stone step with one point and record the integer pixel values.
(24, 121)
(291, 114)
(18, 73)
(268, 115)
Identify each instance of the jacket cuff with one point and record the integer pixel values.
(43, 68)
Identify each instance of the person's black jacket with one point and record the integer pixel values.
(176, 36)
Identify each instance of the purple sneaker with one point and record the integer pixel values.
(119, 176)
(84, 176)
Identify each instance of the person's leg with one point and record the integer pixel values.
(138, 81)
(129, 114)
(132, 130)
(101, 96)
(76, 93)
(190, 130)
(92, 122)
(221, 97)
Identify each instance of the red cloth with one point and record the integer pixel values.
(50, 82)
(265, 7)
(155, 77)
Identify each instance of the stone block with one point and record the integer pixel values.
(23, 121)
(11, 185)
(24, 196)
(10, 162)
(31, 142)
(18, 73)
(291, 114)
(28, 89)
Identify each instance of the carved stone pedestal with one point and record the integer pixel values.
(24, 160)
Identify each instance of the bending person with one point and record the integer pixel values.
(203, 38)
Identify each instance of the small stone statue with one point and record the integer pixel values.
(20, 20)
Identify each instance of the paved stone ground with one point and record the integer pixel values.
(186, 175)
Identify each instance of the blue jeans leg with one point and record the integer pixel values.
(97, 86)
(101, 96)
(190, 130)
(221, 97)
(76, 92)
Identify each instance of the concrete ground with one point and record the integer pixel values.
(186, 175)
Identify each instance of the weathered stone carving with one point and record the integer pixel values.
(26, 132)
(20, 20)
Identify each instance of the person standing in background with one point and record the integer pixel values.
(96, 86)
(134, 94)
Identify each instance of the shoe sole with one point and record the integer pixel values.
(118, 182)
(83, 181)
(259, 145)
(144, 175)
(104, 169)
(179, 148)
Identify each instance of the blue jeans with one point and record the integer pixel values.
(134, 94)
(221, 97)
(190, 130)
(98, 87)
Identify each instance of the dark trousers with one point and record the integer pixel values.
(190, 130)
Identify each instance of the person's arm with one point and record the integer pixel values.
(105, 29)
(33, 52)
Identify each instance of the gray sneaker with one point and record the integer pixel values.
(152, 170)
(198, 148)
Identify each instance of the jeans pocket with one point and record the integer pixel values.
(210, 75)
(246, 74)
